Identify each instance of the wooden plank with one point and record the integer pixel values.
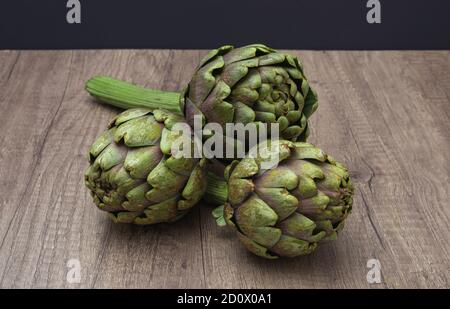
(384, 114)
(30, 100)
(8, 59)
(408, 198)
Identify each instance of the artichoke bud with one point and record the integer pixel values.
(253, 83)
(286, 211)
(133, 174)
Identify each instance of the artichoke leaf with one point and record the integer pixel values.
(255, 248)
(254, 212)
(291, 247)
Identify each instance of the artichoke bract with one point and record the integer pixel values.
(134, 176)
(250, 84)
(287, 210)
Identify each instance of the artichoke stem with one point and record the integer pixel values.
(126, 95)
(216, 190)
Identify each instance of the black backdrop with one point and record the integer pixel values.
(290, 24)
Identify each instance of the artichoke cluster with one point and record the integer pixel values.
(285, 210)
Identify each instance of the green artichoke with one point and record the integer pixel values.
(248, 84)
(251, 84)
(134, 176)
(287, 210)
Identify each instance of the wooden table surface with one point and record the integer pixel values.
(385, 115)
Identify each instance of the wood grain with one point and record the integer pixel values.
(384, 114)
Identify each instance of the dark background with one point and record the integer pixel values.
(186, 24)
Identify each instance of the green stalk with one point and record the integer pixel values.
(217, 190)
(126, 95)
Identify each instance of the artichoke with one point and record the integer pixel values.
(248, 84)
(251, 84)
(134, 176)
(287, 210)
